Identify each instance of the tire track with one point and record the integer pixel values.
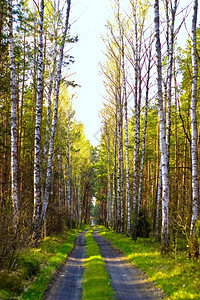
(68, 284)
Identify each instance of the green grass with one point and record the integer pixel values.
(178, 277)
(96, 282)
(35, 267)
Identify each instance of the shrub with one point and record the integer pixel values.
(11, 281)
(30, 265)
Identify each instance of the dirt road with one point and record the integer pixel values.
(127, 282)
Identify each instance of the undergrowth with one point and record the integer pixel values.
(177, 276)
(96, 282)
(34, 267)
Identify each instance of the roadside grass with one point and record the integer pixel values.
(35, 267)
(177, 276)
(96, 282)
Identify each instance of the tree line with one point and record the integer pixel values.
(148, 164)
(46, 162)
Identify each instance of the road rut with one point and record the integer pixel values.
(68, 284)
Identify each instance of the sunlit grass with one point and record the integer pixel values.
(178, 277)
(96, 283)
(51, 252)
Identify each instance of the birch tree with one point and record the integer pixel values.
(194, 139)
(70, 115)
(126, 139)
(109, 200)
(37, 186)
(137, 126)
(54, 120)
(49, 100)
(170, 57)
(59, 192)
(163, 146)
(145, 128)
(125, 103)
(68, 180)
(114, 193)
(13, 84)
(139, 11)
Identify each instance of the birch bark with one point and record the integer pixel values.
(49, 104)
(51, 86)
(136, 132)
(158, 202)
(170, 57)
(59, 192)
(109, 204)
(144, 132)
(119, 183)
(37, 186)
(114, 194)
(126, 139)
(163, 146)
(194, 133)
(68, 179)
(14, 158)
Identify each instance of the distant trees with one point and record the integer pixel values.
(161, 176)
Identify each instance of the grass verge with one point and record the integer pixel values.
(178, 277)
(35, 266)
(96, 282)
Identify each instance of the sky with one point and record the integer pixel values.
(91, 18)
(88, 19)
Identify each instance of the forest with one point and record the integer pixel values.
(144, 173)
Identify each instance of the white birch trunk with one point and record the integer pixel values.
(159, 199)
(14, 157)
(170, 56)
(65, 199)
(48, 127)
(136, 132)
(79, 201)
(49, 106)
(144, 133)
(126, 142)
(118, 168)
(109, 180)
(122, 174)
(68, 177)
(163, 146)
(50, 89)
(114, 200)
(59, 186)
(194, 133)
(37, 186)
(54, 121)
(119, 158)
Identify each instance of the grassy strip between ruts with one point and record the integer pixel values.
(178, 277)
(35, 267)
(96, 282)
